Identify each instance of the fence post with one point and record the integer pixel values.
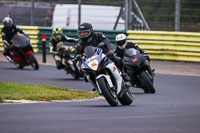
(44, 48)
(177, 15)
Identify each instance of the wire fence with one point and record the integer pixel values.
(159, 14)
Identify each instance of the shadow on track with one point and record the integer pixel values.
(15, 68)
(66, 79)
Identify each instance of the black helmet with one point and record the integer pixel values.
(85, 30)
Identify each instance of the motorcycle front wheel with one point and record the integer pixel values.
(147, 83)
(75, 76)
(127, 97)
(107, 92)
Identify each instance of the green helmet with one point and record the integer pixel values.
(57, 33)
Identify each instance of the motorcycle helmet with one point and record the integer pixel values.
(7, 21)
(57, 33)
(120, 40)
(85, 30)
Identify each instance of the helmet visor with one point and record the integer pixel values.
(58, 36)
(83, 33)
(7, 24)
(121, 43)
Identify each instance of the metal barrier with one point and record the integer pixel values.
(178, 46)
(32, 31)
(36, 33)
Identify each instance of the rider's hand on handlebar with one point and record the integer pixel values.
(76, 41)
(101, 44)
(110, 53)
(78, 56)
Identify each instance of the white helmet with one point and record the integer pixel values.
(120, 39)
(7, 22)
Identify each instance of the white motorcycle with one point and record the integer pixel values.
(102, 73)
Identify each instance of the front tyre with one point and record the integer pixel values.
(107, 92)
(127, 97)
(147, 83)
(75, 76)
(33, 62)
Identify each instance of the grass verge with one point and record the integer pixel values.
(13, 91)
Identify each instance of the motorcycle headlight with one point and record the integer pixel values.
(93, 64)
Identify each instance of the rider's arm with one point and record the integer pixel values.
(79, 48)
(102, 38)
(119, 52)
(69, 39)
(4, 39)
(51, 49)
(21, 31)
(133, 45)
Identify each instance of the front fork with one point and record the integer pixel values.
(117, 77)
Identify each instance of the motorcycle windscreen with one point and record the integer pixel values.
(89, 51)
(130, 52)
(20, 40)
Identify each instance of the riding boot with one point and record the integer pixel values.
(8, 55)
(125, 77)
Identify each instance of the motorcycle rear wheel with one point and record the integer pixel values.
(33, 62)
(107, 92)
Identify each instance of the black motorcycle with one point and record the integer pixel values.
(138, 69)
(72, 67)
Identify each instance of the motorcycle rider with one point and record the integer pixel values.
(123, 45)
(56, 45)
(8, 31)
(97, 39)
(90, 38)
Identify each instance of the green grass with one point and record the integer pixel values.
(12, 91)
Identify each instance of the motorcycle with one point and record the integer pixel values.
(102, 73)
(72, 67)
(138, 69)
(22, 53)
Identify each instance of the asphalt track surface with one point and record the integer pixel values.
(175, 108)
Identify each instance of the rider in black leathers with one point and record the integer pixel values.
(8, 31)
(97, 39)
(56, 45)
(122, 46)
(90, 38)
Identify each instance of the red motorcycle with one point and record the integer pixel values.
(22, 52)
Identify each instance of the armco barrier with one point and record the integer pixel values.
(32, 31)
(36, 32)
(179, 46)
